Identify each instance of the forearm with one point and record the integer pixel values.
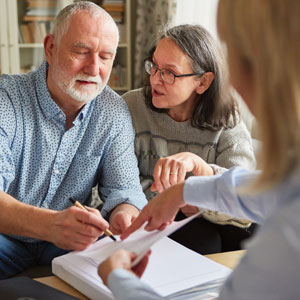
(221, 193)
(23, 219)
(125, 207)
(124, 285)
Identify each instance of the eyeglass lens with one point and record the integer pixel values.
(165, 75)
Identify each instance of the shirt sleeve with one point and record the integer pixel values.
(226, 193)
(126, 286)
(7, 131)
(270, 267)
(119, 181)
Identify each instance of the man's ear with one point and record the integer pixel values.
(49, 46)
(205, 82)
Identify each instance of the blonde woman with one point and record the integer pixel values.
(262, 39)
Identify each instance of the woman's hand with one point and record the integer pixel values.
(122, 259)
(172, 169)
(189, 210)
(160, 211)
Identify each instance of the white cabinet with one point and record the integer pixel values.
(4, 64)
(22, 32)
(9, 56)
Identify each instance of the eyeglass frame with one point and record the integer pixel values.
(149, 59)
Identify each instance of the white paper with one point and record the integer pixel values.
(139, 242)
(172, 267)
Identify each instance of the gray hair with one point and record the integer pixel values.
(215, 107)
(197, 43)
(62, 20)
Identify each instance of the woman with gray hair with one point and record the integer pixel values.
(187, 123)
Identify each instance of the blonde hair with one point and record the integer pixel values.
(265, 35)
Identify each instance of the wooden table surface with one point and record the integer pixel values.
(228, 259)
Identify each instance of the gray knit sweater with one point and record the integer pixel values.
(158, 135)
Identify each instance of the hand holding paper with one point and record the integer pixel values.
(160, 211)
(196, 275)
(139, 242)
(122, 259)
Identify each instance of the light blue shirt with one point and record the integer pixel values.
(44, 165)
(270, 267)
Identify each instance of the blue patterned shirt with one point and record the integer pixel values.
(42, 164)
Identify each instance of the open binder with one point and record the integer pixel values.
(173, 270)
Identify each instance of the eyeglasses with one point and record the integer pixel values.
(166, 75)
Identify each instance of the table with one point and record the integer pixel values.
(228, 259)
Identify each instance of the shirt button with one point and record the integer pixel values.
(56, 171)
(61, 116)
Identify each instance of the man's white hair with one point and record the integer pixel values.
(62, 20)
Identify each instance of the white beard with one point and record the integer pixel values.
(81, 94)
(84, 94)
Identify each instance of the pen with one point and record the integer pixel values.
(106, 231)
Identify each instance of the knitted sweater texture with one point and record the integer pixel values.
(158, 135)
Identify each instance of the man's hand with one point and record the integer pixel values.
(122, 217)
(160, 211)
(122, 259)
(76, 229)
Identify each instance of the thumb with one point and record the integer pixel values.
(138, 223)
(153, 187)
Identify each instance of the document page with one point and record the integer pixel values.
(172, 268)
(139, 242)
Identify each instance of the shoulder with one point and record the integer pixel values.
(11, 83)
(110, 102)
(10, 104)
(18, 87)
(135, 100)
(133, 95)
(239, 131)
(12, 87)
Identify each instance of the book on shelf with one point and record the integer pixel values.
(33, 32)
(44, 29)
(113, 7)
(42, 11)
(25, 33)
(118, 17)
(41, 3)
(20, 37)
(117, 77)
(114, 1)
(38, 18)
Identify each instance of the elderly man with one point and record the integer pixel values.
(62, 131)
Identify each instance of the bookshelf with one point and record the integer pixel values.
(120, 79)
(24, 23)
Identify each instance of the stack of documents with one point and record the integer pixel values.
(172, 271)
